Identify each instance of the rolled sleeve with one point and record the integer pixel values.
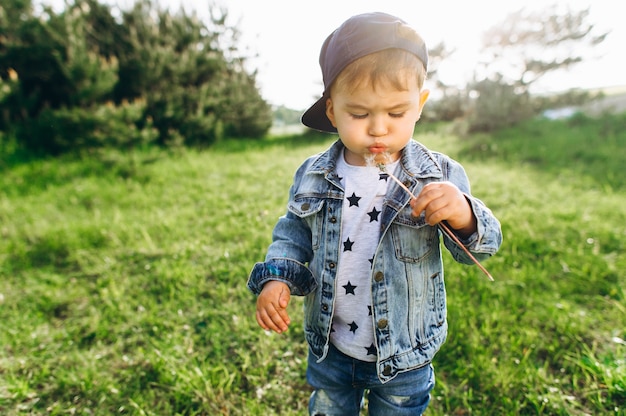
(485, 241)
(294, 274)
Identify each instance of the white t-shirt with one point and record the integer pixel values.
(353, 327)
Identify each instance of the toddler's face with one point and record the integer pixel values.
(376, 119)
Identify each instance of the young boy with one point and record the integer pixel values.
(366, 255)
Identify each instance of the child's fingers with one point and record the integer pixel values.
(272, 307)
(441, 201)
(272, 319)
(260, 321)
(283, 299)
(429, 193)
(431, 202)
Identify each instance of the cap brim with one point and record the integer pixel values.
(315, 117)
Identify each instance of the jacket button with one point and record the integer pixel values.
(387, 370)
(379, 276)
(331, 265)
(382, 324)
(325, 307)
(305, 206)
(333, 220)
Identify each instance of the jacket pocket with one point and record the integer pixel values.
(413, 239)
(309, 210)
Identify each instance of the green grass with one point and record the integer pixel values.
(122, 280)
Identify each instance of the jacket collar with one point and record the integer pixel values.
(417, 161)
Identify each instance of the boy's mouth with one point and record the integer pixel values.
(377, 148)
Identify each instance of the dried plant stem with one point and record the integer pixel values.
(441, 225)
(453, 236)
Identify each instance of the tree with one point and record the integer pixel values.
(521, 50)
(189, 71)
(32, 54)
(451, 103)
(77, 77)
(528, 45)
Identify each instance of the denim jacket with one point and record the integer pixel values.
(407, 283)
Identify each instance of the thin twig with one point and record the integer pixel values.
(453, 236)
(441, 225)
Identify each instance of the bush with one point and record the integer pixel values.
(58, 131)
(60, 72)
(495, 105)
(451, 106)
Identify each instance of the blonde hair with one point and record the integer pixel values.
(394, 66)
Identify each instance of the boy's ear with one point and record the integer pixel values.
(424, 94)
(329, 111)
(423, 98)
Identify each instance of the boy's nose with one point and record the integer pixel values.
(377, 126)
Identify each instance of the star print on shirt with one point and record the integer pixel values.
(354, 200)
(353, 327)
(383, 177)
(369, 309)
(349, 288)
(371, 350)
(374, 214)
(347, 245)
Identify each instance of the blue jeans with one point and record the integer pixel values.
(341, 381)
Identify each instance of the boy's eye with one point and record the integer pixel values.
(363, 116)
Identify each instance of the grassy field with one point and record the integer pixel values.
(122, 280)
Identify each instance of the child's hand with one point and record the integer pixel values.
(271, 306)
(444, 201)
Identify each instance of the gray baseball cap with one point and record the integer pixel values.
(358, 36)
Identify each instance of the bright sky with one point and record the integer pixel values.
(287, 36)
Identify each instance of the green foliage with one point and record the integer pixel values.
(63, 65)
(286, 116)
(31, 55)
(452, 105)
(122, 280)
(191, 85)
(63, 130)
(519, 51)
(582, 147)
(497, 105)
